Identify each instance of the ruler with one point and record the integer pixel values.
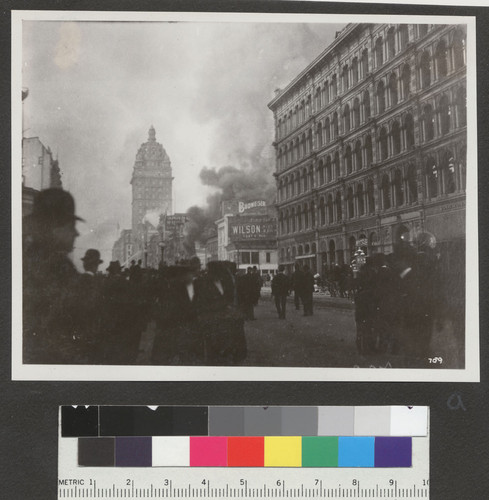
(280, 488)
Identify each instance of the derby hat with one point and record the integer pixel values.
(54, 207)
(92, 255)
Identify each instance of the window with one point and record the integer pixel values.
(330, 209)
(268, 257)
(358, 156)
(458, 49)
(354, 71)
(334, 87)
(428, 123)
(365, 63)
(325, 93)
(346, 118)
(255, 257)
(313, 215)
(366, 104)
(329, 176)
(318, 99)
(461, 107)
(432, 178)
(345, 78)
(409, 131)
(339, 211)
(425, 70)
(386, 198)
(360, 200)
(444, 112)
(380, 97)
(422, 30)
(370, 197)
(337, 171)
(356, 112)
(396, 138)
(306, 216)
(348, 160)
(322, 212)
(406, 81)
(335, 125)
(412, 183)
(299, 218)
(383, 148)
(391, 45)
(403, 36)
(398, 188)
(327, 131)
(393, 97)
(441, 59)
(379, 54)
(350, 203)
(368, 150)
(245, 257)
(321, 172)
(319, 135)
(448, 167)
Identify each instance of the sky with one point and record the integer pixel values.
(95, 88)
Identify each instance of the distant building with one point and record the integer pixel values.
(151, 191)
(173, 231)
(123, 248)
(371, 141)
(39, 171)
(247, 235)
(211, 252)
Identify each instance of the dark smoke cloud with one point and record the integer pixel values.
(249, 183)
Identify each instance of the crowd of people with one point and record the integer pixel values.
(198, 316)
(98, 318)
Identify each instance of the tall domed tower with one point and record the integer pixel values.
(151, 185)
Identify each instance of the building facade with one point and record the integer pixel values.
(370, 142)
(39, 171)
(123, 248)
(247, 235)
(151, 189)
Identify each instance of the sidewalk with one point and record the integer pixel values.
(319, 299)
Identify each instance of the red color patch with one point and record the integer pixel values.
(246, 451)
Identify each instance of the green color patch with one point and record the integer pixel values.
(320, 451)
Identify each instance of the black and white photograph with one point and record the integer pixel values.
(244, 197)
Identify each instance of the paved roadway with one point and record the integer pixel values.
(326, 339)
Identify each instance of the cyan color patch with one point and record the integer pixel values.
(356, 451)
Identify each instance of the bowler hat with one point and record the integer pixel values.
(54, 207)
(92, 255)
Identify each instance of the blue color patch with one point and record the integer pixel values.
(356, 451)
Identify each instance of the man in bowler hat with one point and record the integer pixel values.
(91, 260)
(50, 278)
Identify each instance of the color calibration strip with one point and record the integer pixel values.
(229, 436)
(246, 451)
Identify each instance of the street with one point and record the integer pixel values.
(326, 339)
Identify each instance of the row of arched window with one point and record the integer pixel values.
(442, 174)
(450, 113)
(432, 64)
(329, 250)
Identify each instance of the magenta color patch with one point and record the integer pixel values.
(208, 451)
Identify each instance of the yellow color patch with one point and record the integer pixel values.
(283, 451)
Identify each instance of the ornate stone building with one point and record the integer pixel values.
(151, 190)
(371, 142)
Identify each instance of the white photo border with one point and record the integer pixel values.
(20, 371)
